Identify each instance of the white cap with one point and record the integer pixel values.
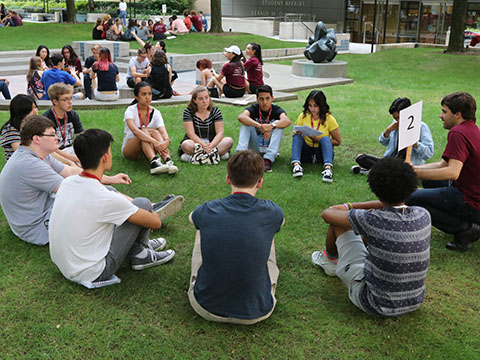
(233, 49)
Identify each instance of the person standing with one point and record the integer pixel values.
(122, 11)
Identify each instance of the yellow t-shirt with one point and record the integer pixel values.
(326, 128)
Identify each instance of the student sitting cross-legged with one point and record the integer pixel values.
(380, 249)
(108, 227)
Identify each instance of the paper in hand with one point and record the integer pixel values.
(307, 130)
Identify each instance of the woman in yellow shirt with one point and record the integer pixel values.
(315, 149)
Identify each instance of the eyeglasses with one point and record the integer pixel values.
(49, 135)
(66, 99)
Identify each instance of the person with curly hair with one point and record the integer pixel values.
(380, 249)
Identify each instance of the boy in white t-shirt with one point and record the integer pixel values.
(107, 227)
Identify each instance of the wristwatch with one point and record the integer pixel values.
(274, 124)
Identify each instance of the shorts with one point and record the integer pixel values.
(131, 82)
(351, 262)
(230, 92)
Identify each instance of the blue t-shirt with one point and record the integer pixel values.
(106, 79)
(398, 254)
(236, 239)
(53, 76)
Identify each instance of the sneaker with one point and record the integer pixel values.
(355, 169)
(267, 165)
(297, 170)
(186, 158)
(152, 259)
(161, 203)
(214, 158)
(168, 207)
(327, 175)
(157, 167)
(157, 244)
(225, 156)
(328, 265)
(172, 169)
(463, 241)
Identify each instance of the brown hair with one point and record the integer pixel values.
(245, 168)
(159, 58)
(58, 89)
(204, 64)
(192, 106)
(35, 64)
(33, 125)
(461, 102)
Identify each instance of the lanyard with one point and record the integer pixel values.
(260, 115)
(140, 117)
(91, 176)
(64, 132)
(240, 192)
(311, 123)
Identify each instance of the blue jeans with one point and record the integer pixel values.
(249, 139)
(301, 152)
(123, 15)
(4, 90)
(449, 212)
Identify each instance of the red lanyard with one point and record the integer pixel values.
(260, 115)
(140, 117)
(240, 192)
(64, 132)
(311, 122)
(91, 176)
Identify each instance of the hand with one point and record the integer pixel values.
(267, 135)
(207, 147)
(121, 179)
(7, 82)
(161, 145)
(315, 139)
(297, 133)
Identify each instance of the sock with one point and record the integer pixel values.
(330, 256)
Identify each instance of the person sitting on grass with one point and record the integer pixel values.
(107, 73)
(57, 75)
(204, 129)
(107, 227)
(30, 178)
(234, 270)
(315, 149)
(178, 26)
(138, 69)
(262, 126)
(145, 133)
(380, 249)
(233, 85)
(421, 151)
(97, 30)
(143, 32)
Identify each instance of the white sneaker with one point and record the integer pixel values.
(297, 170)
(328, 265)
(172, 169)
(327, 175)
(186, 158)
(225, 156)
(157, 167)
(355, 169)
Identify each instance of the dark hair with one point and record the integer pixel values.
(136, 90)
(392, 180)
(238, 58)
(47, 60)
(163, 45)
(33, 125)
(141, 51)
(148, 45)
(321, 100)
(461, 102)
(204, 64)
(131, 23)
(258, 51)
(20, 106)
(109, 23)
(159, 58)
(56, 58)
(90, 146)
(73, 54)
(245, 168)
(174, 17)
(265, 88)
(399, 104)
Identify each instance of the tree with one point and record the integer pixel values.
(71, 13)
(91, 6)
(216, 16)
(459, 17)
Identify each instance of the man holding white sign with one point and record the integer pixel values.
(455, 209)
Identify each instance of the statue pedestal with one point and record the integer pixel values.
(307, 68)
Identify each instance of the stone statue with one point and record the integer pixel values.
(322, 45)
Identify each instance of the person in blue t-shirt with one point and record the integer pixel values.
(380, 249)
(234, 270)
(57, 74)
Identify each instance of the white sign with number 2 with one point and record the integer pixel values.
(409, 125)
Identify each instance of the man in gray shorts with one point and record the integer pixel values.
(380, 249)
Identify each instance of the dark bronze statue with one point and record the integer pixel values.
(322, 45)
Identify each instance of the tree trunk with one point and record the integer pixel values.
(216, 16)
(91, 6)
(459, 17)
(71, 13)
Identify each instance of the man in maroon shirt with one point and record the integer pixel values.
(454, 197)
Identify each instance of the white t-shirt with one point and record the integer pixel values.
(132, 113)
(140, 66)
(81, 226)
(122, 6)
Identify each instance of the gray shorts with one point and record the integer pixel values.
(351, 261)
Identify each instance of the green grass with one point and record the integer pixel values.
(43, 316)
(55, 36)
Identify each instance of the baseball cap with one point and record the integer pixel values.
(233, 49)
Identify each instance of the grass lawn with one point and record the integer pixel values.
(44, 316)
(54, 36)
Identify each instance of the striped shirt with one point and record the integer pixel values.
(204, 129)
(9, 136)
(398, 245)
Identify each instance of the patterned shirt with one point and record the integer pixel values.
(9, 136)
(204, 129)
(398, 245)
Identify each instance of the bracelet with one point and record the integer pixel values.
(350, 206)
(346, 206)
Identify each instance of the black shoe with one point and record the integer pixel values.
(452, 245)
(463, 240)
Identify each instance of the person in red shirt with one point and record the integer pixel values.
(254, 67)
(452, 186)
(196, 21)
(187, 20)
(234, 84)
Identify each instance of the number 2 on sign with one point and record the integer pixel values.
(411, 118)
